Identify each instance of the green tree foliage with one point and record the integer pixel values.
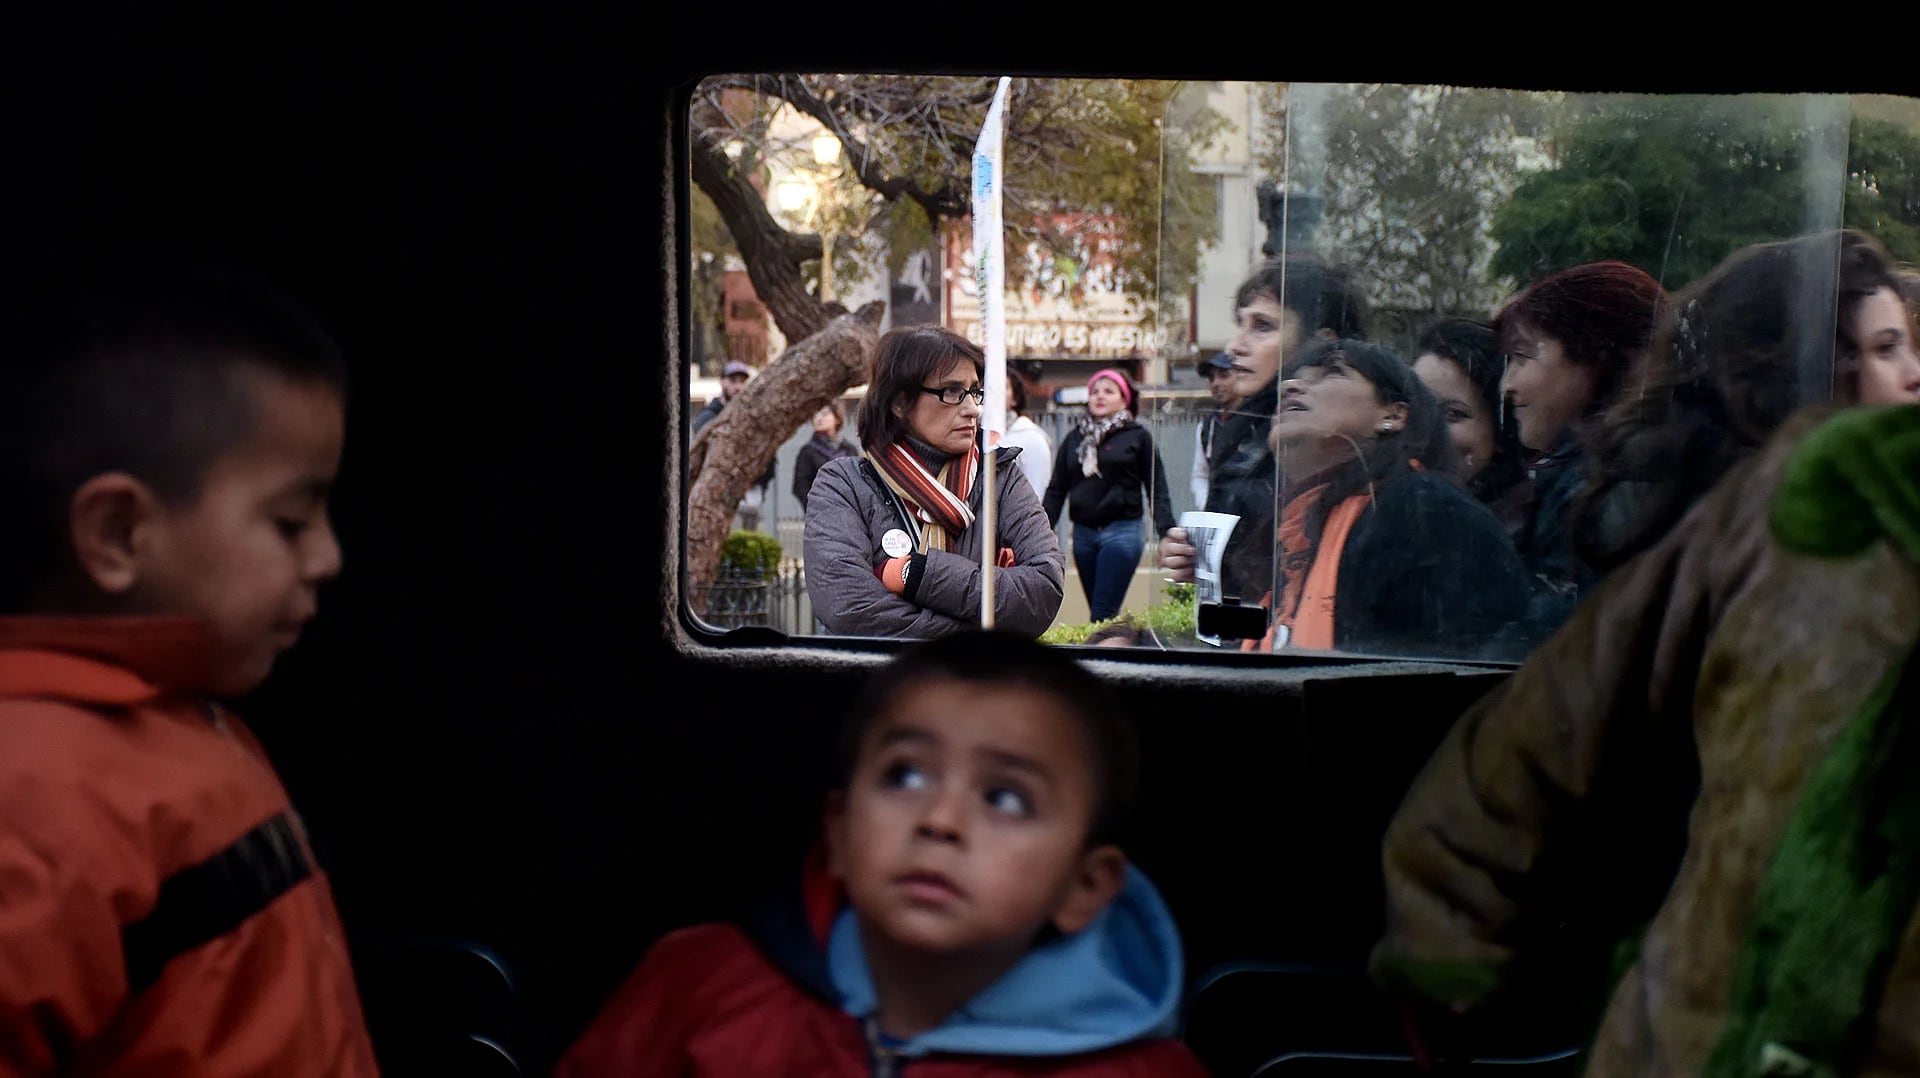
(1883, 185)
(1674, 184)
(1411, 177)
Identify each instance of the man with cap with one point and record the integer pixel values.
(733, 379)
(1218, 369)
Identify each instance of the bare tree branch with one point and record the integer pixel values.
(772, 254)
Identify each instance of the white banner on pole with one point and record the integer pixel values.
(989, 260)
(989, 268)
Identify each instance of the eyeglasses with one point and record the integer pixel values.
(952, 395)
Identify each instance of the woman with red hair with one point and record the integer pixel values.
(1569, 340)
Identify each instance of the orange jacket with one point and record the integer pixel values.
(160, 909)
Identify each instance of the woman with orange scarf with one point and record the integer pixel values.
(1377, 549)
(892, 545)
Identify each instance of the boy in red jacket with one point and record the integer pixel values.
(168, 435)
(969, 913)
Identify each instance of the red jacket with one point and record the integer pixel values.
(710, 1002)
(160, 909)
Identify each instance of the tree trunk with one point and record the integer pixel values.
(732, 451)
(772, 254)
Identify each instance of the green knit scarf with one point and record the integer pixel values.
(1842, 885)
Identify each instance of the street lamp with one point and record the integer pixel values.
(796, 196)
(803, 196)
(826, 149)
(826, 154)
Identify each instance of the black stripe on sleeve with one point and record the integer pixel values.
(203, 902)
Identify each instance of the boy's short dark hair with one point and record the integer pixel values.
(998, 657)
(132, 364)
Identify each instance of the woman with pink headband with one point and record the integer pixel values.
(1102, 475)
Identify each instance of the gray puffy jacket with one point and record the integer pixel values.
(850, 509)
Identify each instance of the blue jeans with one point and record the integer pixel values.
(1106, 558)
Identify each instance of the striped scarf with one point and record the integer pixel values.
(939, 503)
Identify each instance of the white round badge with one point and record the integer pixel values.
(896, 544)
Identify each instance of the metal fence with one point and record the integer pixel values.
(780, 603)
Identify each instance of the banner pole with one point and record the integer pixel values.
(989, 272)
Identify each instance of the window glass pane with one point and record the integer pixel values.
(1575, 311)
(1552, 245)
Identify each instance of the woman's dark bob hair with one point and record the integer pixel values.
(1472, 347)
(1422, 444)
(905, 360)
(1018, 387)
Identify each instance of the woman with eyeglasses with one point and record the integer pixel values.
(893, 540)
(1107, 475)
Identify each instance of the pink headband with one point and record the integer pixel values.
(1118, 379)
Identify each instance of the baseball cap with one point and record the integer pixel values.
(1217, 361)
(734, 367)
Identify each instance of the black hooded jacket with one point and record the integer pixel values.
(1243, 474)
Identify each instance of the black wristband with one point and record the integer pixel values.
(910, 576)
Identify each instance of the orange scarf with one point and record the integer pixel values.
(1312, 572)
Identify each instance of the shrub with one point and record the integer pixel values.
(1169, 620)
(749, 555)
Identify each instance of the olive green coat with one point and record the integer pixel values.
(1764, 654)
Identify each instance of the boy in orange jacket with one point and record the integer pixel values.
(168, 436)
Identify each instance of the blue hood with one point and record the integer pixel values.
(1117, 981)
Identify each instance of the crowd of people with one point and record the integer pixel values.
(1455, 500)
(1585, 418)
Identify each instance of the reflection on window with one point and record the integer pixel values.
(1367, 369)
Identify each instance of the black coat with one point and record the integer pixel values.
(1242, 474)
(806, 463)
(1546, 538)
(1559, 578)
(1428, 571)
(1129, 462)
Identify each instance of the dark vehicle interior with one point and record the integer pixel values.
(520, 759)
